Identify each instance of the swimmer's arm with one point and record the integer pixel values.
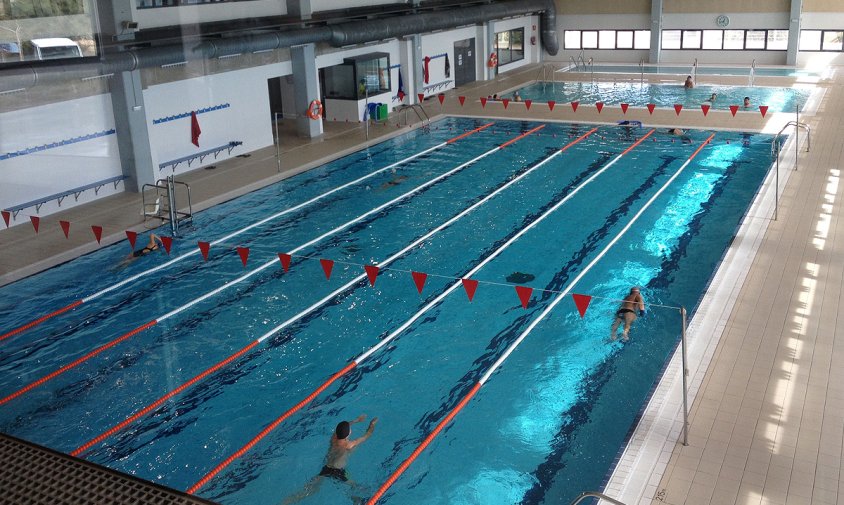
(358, 419)
(366, 435)
(641, 302)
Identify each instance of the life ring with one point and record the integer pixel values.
(493, 60)
(315, 109)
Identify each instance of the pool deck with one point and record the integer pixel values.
(767, 404)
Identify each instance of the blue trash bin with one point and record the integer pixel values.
(372, 112)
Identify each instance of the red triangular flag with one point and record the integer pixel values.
(168, 243)
(574, 106)
(204, 247)
(420, 96)
(441, 97)
(371, 273)
(651, 107)
(582, 302)
(624, 107)
(285, 261)
(763, 109)
(35, 222)
(551, 104)
(401, 95)
(705, 108)
(527, 104)
(65, 227)
(132, 236)
(6, 216)
(677, 108)
(506, 102)
(195, 131)
(419, 278)
(524, 294)
(470, 286)
(599, 106)
(734, 109)
(98, 232)
(244, 254)
(327, 265)
(483, 102)
(461, 99)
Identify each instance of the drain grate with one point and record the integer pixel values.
(34, 475)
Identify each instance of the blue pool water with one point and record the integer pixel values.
(706, 70)
(548, 424)
(666, 95)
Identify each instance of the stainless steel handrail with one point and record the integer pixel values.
(694, 71)
(752, 72)
(415, 107)
(594, 494)
(775, 143)
(642, 71)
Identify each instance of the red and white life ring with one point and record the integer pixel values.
(315, 109)
(493, 60)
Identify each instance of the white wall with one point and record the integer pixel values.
(822, 20)
(442, 43)
(203, 13)
(56, 169)
(246, 118)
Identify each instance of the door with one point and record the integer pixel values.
(464, 64)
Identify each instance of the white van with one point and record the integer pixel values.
(53, 48)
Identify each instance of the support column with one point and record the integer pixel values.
(416, 76)
(305, 88)
(490, 39)
(795, 18)
(130, 123)
(300, 8)
(656, 31)
(408, 71)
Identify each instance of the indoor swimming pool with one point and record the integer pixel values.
(702, 69)
(667, 95)
(168, 365)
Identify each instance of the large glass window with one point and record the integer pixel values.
(624, 39)
(832, 41)
(755, 39)
(810, 40)
(642, 39)
(734, 39)
(777, 40)
(358, 77)
(713, 39)
(606, 39)
(45, 30)
(691, 39)
(571, 39)
(671, 39)
(510, 46)
(590, 39)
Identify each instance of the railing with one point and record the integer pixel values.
(775, 151)
(591, 66)
(642, 71)
(573, 62)
(752, 71)
(543, 73)
(694, 71)
(415, 108)
(64, 194)
(592, 494)
(167, 188)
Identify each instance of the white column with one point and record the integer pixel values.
(656, 31)
(794, 21)
(305, 89)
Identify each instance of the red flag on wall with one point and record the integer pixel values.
(195, 131)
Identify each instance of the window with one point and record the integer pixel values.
(755, 39)
(832, 41)
(590, 39)
(671, 39)
(810, 40)
(777, 40)
(624, 39)
(642, 39)
(606, 39)
(510, 46)
(691, 39)
(734, 39)
(713, 39)
(358, 77)
(571, 39)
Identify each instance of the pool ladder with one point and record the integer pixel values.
(543, 75)
(775, 151)
(752, 72)
(164, 206)
(593, 494)
(415, 107)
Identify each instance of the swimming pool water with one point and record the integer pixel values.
(666, 95)
(549, 423)
(706, 70)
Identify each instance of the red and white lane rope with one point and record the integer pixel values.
(261, 268)
(193, 252)
(512, 347)
(416, 316)
(318, 304)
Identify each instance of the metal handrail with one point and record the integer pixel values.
(173, 215)
(594, 494)
(694, 71)
(573, 62)
(591, 64)
(415, 107)
(642, 71)
(752, 71)
(775, 151)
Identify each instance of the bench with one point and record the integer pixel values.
(201, 155)
(64, 194)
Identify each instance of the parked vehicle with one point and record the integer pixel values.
(54, 48)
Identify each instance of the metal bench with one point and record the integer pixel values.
(64, 194)
(201, 155)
